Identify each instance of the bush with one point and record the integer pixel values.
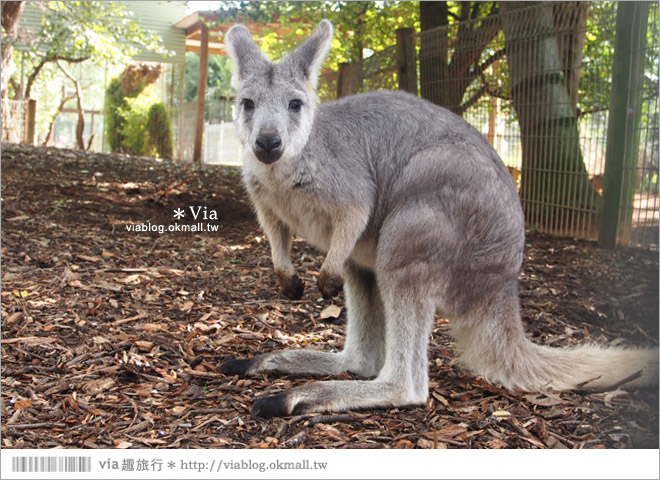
(135, 122)
(159, 128)
(114, 101)
(133, 130)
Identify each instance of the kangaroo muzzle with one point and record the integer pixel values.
(268, 148)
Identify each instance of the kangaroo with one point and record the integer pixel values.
(418, 215)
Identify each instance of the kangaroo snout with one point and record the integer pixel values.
(268, 147)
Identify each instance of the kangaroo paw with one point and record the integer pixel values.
(330, 285)
(292, 287)
(238, 366)
(278, 405)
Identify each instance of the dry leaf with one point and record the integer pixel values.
(452, 431)
(501, 414)
(440, 398)
(23, 404)
(28, 340)
(547, 399)
(97, 386)
(178, 410)
(496, 443)
(13, 318)
(87, 258)
(331, 311)
(144, 346)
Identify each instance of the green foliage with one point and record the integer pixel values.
(649, 183)
(218, 80)
(159, 130)
(361, 28)
(135, 116)
(114, 101)
(138, 126)
(102, 31)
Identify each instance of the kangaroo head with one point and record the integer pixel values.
(275, 102)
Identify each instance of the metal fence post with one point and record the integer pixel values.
(405, 59)
(624, 116)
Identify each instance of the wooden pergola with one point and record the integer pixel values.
(208, 40)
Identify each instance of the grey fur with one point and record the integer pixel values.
(418, 215)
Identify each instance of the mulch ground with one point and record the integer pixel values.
(113, 338)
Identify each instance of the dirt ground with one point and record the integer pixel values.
(113, 338)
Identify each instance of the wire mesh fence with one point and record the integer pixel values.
(221, 144)
(538, 83)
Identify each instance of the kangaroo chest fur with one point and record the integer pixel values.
(289, 194)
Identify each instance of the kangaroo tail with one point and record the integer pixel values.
(494, 346)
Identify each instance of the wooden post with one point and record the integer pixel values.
(341, 79)
(201, 90)
(622, 128)
(30, 121)
(348, 79)
(183, 90)
(405, 59)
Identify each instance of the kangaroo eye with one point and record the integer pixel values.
(248, 105)
(295, 105)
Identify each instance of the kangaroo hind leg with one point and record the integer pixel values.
(402, 380)
(364, 346)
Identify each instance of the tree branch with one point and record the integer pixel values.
(488, 62)
(478, 94)
(51, 126)
(33, 76)
(81, 115)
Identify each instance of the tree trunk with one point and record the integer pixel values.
(11, 11)
(434, 51)
(444, 81)
(554, 180)
(570, 21)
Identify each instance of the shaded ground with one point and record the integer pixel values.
(113, 338)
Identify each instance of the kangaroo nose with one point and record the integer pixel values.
(269, 144)
(268, 148)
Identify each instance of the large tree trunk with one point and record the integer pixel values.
(434, 51)
(11, 11)
(444, 80)
(570, 21)
(554, 180)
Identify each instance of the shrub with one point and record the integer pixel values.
(130, 124)
(114, 101)
(159, 128)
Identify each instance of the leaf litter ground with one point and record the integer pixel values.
(113, 338)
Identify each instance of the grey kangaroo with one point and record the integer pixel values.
(418, 216)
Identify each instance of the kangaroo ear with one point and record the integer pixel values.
(306, 59)
(244, 53)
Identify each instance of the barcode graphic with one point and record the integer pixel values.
(51, 464)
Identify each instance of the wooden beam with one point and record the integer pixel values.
(201, 92)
